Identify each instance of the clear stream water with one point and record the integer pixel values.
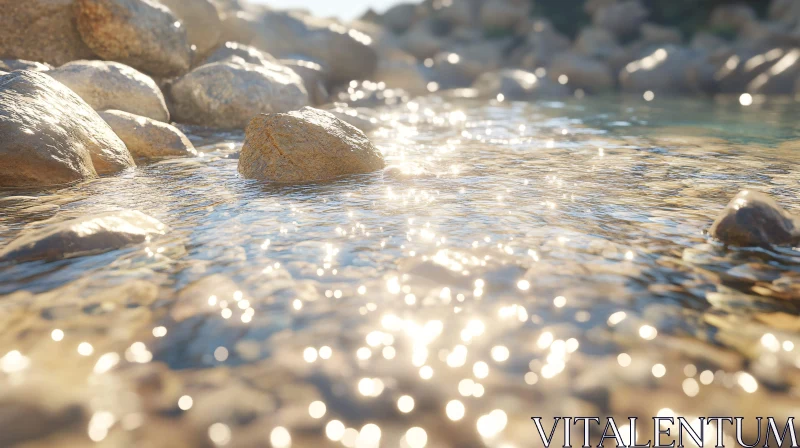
(519, 259)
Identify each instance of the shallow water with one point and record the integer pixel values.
(517, 260)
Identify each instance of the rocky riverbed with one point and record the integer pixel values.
(227, 225)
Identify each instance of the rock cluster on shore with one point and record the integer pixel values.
(218, 64)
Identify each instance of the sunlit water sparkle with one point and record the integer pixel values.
(516, 260)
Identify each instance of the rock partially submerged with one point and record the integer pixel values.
(83, 236)
(755, 219)
(304, 146)
(111, 85)
(49, 135)
(41, 30)
(141, 33)
(146, 138)
(228, 95)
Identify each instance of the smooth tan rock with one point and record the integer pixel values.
(313, 76)
(146, 138)
(141, 33)
(304, 146)
(228, 95)
(10, 65)
(345, 52)
(230, 50)
(40, 30)
(111, 85)
(49, 135)
(83, 236)
(202, 22)
(755, 219)
(400, 70)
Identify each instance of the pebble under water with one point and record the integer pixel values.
(515, 260)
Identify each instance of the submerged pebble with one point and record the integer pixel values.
(83, 236)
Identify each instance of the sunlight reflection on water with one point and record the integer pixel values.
(515, 260)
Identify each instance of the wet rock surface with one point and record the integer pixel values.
(143, 34)
(229, 94)
(83, 236)
(517, 85)
(305, 146)
(147, 138)
(111, 85)
(755, 219)
(51, 136)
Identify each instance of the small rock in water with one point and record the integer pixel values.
(83, 236)
(202, 22)
(754, 219)
(140, 33)
(49, 135)
(41, 30)
(305, 145)
(229, 94)
(10, 65)
(111, 85)
(146, 138)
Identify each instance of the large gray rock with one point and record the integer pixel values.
(10, 65)
(83, 236)
(228, 95)
(49, 135)
(754, 219)
(304, 146)
(141, 33)
(400, 70)
(622, 18)
(40, 30)
(400, 17)
(420, 42)
(202, 22)
(597, 42)
(735, 16)
(345, 52)
(111, 85)
(663, 71)
(517, 85)
(313, 76)
(657, 34)
(581, 72)
(231, 50)
(146, 138)
(500, 15)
